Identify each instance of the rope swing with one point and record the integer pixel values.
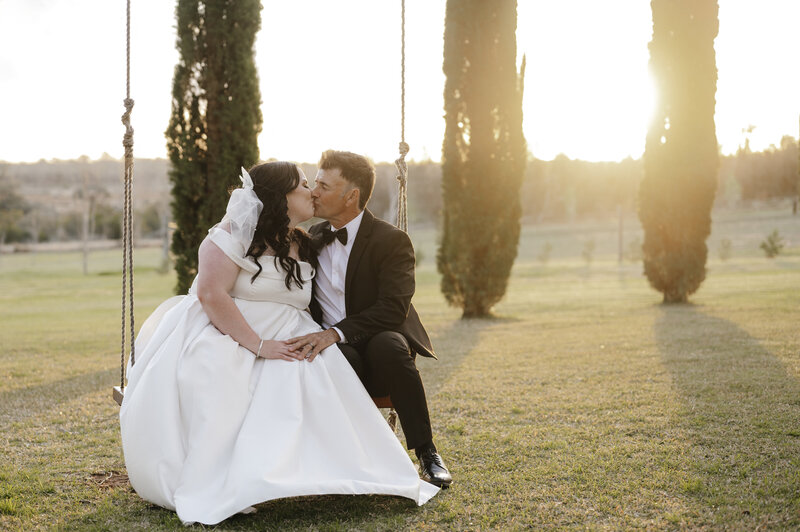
(127, 229)
(400, 163)
(402, 180)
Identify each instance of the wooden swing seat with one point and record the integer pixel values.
(386, 402)
(118, 395)
(383, 402)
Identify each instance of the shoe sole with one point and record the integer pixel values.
(440, 485)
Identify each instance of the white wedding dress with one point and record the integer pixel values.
(209, 430)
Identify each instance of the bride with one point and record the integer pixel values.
(219, 414)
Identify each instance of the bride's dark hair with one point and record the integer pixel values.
(271, 183)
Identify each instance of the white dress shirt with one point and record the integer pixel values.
(331, 274)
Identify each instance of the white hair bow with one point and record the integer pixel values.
(243, 211)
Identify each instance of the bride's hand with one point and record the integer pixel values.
(276, 349)
(310, 345)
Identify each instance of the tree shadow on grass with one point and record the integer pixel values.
(741, 413)
(26, 402)
(452, 345)
(720, 369)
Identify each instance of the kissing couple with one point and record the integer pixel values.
(257, 384)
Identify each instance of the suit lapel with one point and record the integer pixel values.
(359, 245)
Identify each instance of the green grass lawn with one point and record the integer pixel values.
(584, 405)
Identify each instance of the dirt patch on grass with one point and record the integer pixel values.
(109, 479)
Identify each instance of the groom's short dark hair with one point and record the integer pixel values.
(355, 169)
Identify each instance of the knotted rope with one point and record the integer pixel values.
(400, 163)
(127, 239)
(402, 182)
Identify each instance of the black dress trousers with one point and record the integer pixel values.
(385, 364)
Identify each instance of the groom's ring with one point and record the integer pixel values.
(313, 345)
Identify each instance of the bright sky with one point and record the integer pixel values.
(330, 76)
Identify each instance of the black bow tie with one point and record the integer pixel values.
(328, 236)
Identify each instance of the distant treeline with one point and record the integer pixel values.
(52, 200)
(571, 190)
(764, 175)
(57, 200)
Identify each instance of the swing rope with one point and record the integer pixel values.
(402, 180)
(400, 163)
(127, 229)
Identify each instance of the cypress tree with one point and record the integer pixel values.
(215, 120)
(681, 154)
(483, 154)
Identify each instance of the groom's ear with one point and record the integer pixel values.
(352, 197)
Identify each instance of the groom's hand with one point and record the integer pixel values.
(310, 345)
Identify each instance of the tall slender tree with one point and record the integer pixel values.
(216, 118)
(483, 155)
(681, 154)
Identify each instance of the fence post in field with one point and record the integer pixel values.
(619, 235)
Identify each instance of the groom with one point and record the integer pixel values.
(362, 297)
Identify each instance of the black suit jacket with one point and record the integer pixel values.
(379, 284)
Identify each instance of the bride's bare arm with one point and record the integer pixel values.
(215, 279)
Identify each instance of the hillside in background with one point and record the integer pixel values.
(59, 184)
(58, 193)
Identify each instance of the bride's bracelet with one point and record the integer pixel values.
(258, 353)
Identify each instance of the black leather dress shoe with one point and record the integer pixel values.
(433, 470)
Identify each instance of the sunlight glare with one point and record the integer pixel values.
(330, 74)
